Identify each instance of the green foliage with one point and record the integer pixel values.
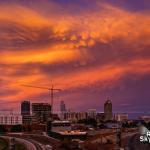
(3, 144)
(19, 147)
(89, 121)
(16, 128)
(2, 129)
(129, 125)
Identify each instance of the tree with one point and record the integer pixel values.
(89, 121)
(2, 129)
(16, 128)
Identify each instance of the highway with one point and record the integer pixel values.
(42, 140)
(37, 145)
(102, 137)
(28, 143)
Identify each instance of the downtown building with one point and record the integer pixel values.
(25, 108)
(10, 119)
(26, 113)
(74, 117)
(91, 113)
(145, 118)
(41, 112)
(62, 106)
(62, 110)
(108, 111)
(121, 117)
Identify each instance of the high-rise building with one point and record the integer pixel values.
(108, 110)
(41, 112)
(62, 106)
(25, 112)
(62, 109)
(25, 108)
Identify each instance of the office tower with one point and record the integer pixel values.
(62, 109)
(25, 108)
(41, 112)
(108, 110)
(62, 106)
(25, 112)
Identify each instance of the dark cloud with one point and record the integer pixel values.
(132, 5)
(18, 37)
(102, 46)
(78, 6)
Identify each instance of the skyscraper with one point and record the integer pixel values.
(25, 112)
(25, 108)
(62, 110)
(62, 106)
(41, 112)
(108, 110)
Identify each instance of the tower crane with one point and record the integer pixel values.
(51, 90)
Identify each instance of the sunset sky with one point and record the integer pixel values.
(91, 49)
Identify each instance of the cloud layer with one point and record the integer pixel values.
(87, 50)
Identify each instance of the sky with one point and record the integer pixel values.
(91, 49)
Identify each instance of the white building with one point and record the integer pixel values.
(75, 116)
(92, 113)
(10, 119)
(121, 117)
(61, 126)
(145, 118)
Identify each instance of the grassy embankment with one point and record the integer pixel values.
(3, 144)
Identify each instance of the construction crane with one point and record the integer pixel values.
(51, 90)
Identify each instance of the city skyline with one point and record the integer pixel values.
(90, 50)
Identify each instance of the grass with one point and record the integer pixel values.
(19, 147)
(3, 145)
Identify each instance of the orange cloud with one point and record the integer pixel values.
(49, 56)
(73, 39)
(22, 15)
(108, 72)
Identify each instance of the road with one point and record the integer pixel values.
(109, 134)
(43, 140)
(29, 144)
(37, 145)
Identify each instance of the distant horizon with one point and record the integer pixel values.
(131, 113)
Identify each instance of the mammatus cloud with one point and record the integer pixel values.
(91, 47)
